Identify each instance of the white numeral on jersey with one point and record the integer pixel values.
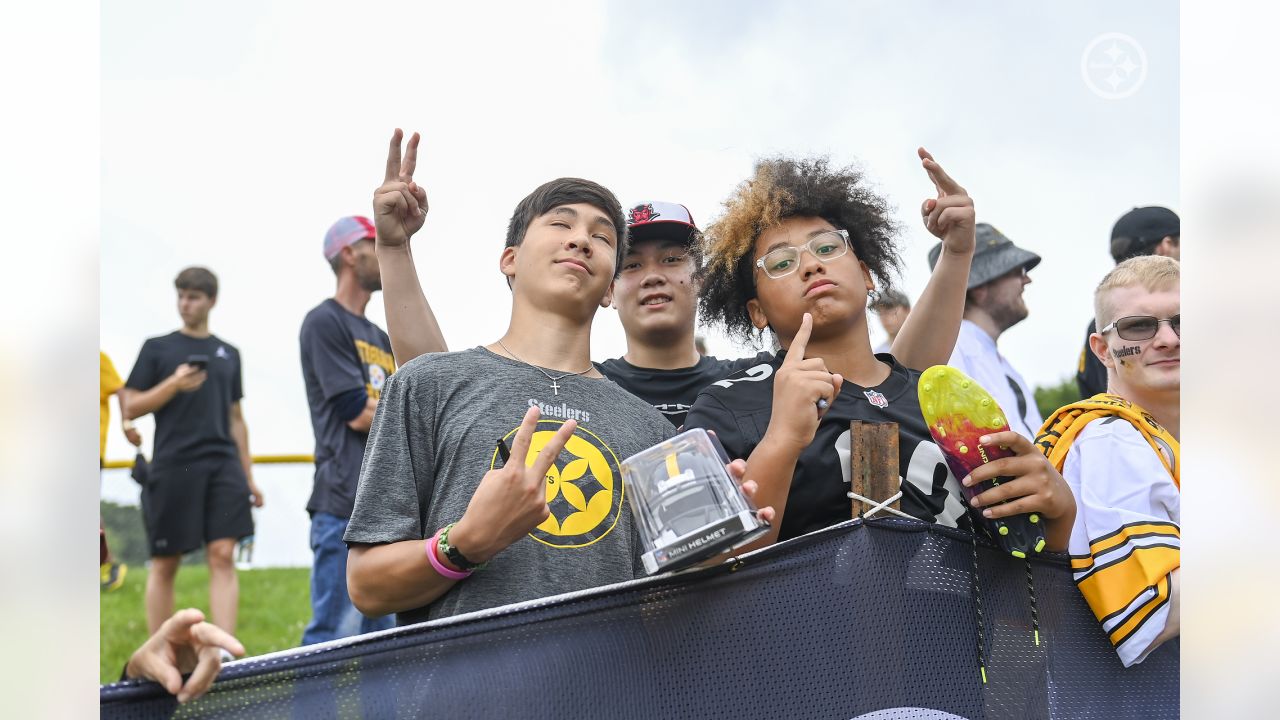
(755, 374)
(924, 461)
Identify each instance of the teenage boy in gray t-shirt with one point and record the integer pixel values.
(437, 498)
(435, 438)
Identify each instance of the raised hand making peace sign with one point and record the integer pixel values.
(511, 500)
(950, 217)
(399, 203)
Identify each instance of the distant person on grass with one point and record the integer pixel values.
(201, 475)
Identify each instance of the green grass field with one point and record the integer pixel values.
(275, 606)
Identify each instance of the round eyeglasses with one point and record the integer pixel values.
(782, 261)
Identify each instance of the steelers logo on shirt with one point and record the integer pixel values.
(377, 376)
(584, 487)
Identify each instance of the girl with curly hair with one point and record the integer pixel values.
(799, 249)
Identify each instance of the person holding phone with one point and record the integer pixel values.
(201, 475)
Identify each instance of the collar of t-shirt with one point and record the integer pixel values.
(621, 360)
(988, 343)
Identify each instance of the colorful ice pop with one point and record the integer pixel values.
(958, 411)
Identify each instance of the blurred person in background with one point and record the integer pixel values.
(892, 307)
(1120, 452)
(346, 359)
(992, 305)
(1141, 231)
(112, 573)
(201, 476)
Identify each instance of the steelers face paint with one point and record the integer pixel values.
(1126, 351)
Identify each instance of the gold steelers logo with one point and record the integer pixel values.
(584, 488)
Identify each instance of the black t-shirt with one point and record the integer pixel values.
(1091, 374)
(738, 409)
(193, 425)
(341, 352)
(672, 392)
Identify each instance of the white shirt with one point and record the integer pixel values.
(1126, 539)
(976, 356)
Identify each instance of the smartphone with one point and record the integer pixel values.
(201, 362)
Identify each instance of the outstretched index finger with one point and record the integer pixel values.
(799, 343)
(210, 635)
(941, 180)
(393, 156)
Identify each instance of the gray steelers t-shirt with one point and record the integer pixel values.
(434, 437)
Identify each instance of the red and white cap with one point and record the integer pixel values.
(654, 220)
(347, 231)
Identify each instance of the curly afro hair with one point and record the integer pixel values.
(783, 188)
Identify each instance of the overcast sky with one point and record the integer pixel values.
(233, 134)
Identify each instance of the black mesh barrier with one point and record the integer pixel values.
(870, 619)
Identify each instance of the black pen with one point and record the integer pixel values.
(503, 451)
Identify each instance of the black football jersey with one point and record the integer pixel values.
(738, 409)
(672, 392)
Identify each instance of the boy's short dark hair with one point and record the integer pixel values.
(197, 278)
(568, 191)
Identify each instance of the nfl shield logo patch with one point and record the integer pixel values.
(876, 398)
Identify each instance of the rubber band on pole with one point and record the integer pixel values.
(878, 506)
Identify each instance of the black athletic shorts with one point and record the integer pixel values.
(184, 507)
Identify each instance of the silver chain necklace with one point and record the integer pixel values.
(555, 386)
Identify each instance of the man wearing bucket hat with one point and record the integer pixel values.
(346, 358)
(992, 305)
(1141, 231)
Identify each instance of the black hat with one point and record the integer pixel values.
(1141, 229)
(993, 256)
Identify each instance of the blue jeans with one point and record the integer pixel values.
(332, 614)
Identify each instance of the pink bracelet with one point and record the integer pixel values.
(439, 567)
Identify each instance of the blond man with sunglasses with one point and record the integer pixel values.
(1119, 452)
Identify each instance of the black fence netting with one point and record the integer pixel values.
(873, 619)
